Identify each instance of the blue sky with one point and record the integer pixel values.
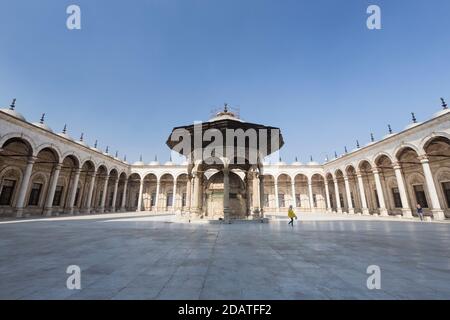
(139, 68)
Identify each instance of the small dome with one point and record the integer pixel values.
(169, 163)
(13, 113)
(139, 163)
(154, 163)
(65, 136)
(43, 126)
(95, 149)
(313, 163)
(412, 125)
(82, 143)
(441, 113)
(297, 163)
(281, 163)
(226, 114)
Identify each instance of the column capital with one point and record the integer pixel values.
(359, 174)
(31, 159)
(423, 159)
(397, 165)
(58, 166)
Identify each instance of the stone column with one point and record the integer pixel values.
(311, 199)
(255, 189)
(141, 190)
(277, 204)
(327, 195)
(196, 194)
(338, 198)
(294, 199)
(124, 196)
(116, 186)
(91, 193)
(51, 191)
(188, 192)
(158, 187)
(174, 197)
(362, 194)
(406, 210)
(105, 191)
(226, 195)
(261, 195)
(73, 192)
(383, 210)
(351, 210)
(438, 213)
(20, 204)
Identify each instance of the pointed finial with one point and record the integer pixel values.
(125, 158)
(345, 149)
(357, 144)
(117, 154)
(296, 159)
(170, 158)
(335, 154)
(279, 159)
(311, 158)
(444, 105)
(372, 138)
(96, 144)
(42, 119)
(107, 149)
(82, 137)
(13, 105)
(390, 129)
(413, 116)
(64, 129)
(140, 158)
(225, 107)
(156, 158)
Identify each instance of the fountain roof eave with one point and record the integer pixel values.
(222, 125)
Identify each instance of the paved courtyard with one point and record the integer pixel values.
(131, 256)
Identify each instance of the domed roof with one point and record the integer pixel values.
(12, 112)
(296, 162)
(43, 126)
(82, 143)
(226, 114)
(412, 125)
(139, 163)
(169, 163)
(65, 135)
(313, 163)
(154, 163)
(441, 113)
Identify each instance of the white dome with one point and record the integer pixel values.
(412, 125)
(441, 113)
(169, 163)
(66, 136)
(13, 113)
(139, 163)
(82, 143)
(154, 163)
(297, 163)
(224, 117)
(43, 126)
(313, 163)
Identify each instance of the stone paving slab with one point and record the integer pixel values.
(137, 256)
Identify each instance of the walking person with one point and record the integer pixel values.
(291, 215)
(420, 211)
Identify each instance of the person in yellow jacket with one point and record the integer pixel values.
(291, 215)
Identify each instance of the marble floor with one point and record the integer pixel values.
(130, 256)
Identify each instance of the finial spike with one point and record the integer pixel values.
(42, 119)
(125, 158)
(444, 105)
(372, 138)
(413, 116)
(117, 154)
(345, 149)
(296, 159)
(357, 144)
(13, 105)
(82, 137)
(156, 158)
(140, 158)
(107, 149)
(64, 129)
(390, 129)
(96, 144)
(311, 158)
(225, 107)
(335, 154)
